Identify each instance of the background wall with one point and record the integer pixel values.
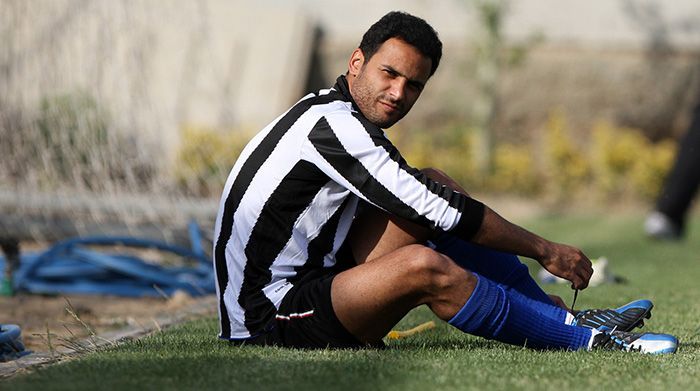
(147, 71)
(157, 65)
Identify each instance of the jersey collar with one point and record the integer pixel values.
(341, 85)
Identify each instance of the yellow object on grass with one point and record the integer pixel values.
(396, 334)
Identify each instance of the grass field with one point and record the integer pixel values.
(190, 357)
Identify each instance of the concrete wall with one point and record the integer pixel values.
(156, 66)
(159, 66)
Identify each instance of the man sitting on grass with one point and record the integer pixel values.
(326, 237)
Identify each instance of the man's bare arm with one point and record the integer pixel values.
(500, 234)
(559, 259)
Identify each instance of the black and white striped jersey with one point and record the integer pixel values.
(290, 199)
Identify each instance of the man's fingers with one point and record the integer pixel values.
(581, 283)
(585, 271)
(579, 280)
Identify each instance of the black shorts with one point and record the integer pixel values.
(306, 318)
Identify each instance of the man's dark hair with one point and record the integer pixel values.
(408, 28)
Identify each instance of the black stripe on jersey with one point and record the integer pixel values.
(327, 144)
(270, 235)
(471, 220)
(240, 186)
(453, 198)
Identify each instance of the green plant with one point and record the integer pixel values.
(205, 157)
(72, 142)
(627, 163)
(515, 171)
(492, 55)
(72, 136)
(567, 169)
(649, 173)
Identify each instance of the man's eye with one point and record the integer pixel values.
(416, 86)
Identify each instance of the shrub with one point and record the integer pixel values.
(567, 169)
(627, 163)
(205, 158)
(514, 171)
(72, 137)
(618, 161)
(650, 170)
(71, 142)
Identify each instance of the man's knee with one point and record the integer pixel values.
(435, 271)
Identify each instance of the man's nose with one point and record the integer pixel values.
(398, 88)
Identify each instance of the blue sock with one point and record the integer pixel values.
(495, 313)
(520, 281)
(503, 268)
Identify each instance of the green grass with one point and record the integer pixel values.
(190, 357)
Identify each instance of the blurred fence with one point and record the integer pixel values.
(85, 141)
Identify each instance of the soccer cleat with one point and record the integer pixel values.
(633, 342)
(625, 318)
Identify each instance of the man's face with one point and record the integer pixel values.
(386, 86)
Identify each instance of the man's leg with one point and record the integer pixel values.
(376, 233)
(502, 268)
(682, 182)
(369, 299)
(395, 275)
(372, 297)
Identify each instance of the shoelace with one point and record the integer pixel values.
(574, 302)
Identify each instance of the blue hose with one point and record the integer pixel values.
(71, 267)
(11, 347)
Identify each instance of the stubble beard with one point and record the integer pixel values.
(366, 100)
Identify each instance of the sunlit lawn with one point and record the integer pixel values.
(190, 357)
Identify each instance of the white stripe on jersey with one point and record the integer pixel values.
(376, 160)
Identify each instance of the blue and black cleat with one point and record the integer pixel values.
(625, 318)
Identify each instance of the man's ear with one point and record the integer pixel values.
(357, 60)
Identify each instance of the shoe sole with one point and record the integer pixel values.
(666, 351)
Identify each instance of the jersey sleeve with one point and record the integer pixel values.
(356, 154)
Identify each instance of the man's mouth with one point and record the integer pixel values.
(390, 106)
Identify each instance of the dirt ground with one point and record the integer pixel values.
(71, 318)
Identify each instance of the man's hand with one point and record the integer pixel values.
(569, 263)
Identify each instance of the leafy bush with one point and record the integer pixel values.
(515, 171)
(618, 162)
(567, 167)
(72, 136)
(627, 163)
(205, 158)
